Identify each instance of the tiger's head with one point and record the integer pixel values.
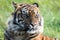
(26, 19)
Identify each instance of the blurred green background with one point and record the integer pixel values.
(49, 9)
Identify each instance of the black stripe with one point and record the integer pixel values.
(7, 35)
(32, 37)
(14, 20)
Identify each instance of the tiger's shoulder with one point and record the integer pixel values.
(43, 37)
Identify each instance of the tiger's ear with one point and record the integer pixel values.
(36, 4)
(14, 4)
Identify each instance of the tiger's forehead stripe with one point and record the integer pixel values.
(28, 6)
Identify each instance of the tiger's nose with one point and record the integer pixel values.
(33, 24)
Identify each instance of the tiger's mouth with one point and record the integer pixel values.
(31, 29)
(26, 28)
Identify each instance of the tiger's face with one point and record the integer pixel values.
(26, 19)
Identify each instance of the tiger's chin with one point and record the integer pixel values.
(35, 30)
(31, 32)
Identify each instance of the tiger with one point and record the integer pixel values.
(25, 23)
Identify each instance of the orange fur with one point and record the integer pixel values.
(42, 37)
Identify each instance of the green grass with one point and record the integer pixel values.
(49, 9)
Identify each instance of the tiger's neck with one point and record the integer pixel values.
(38, 37)
(42, 37)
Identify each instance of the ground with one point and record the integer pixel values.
(49, 9)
